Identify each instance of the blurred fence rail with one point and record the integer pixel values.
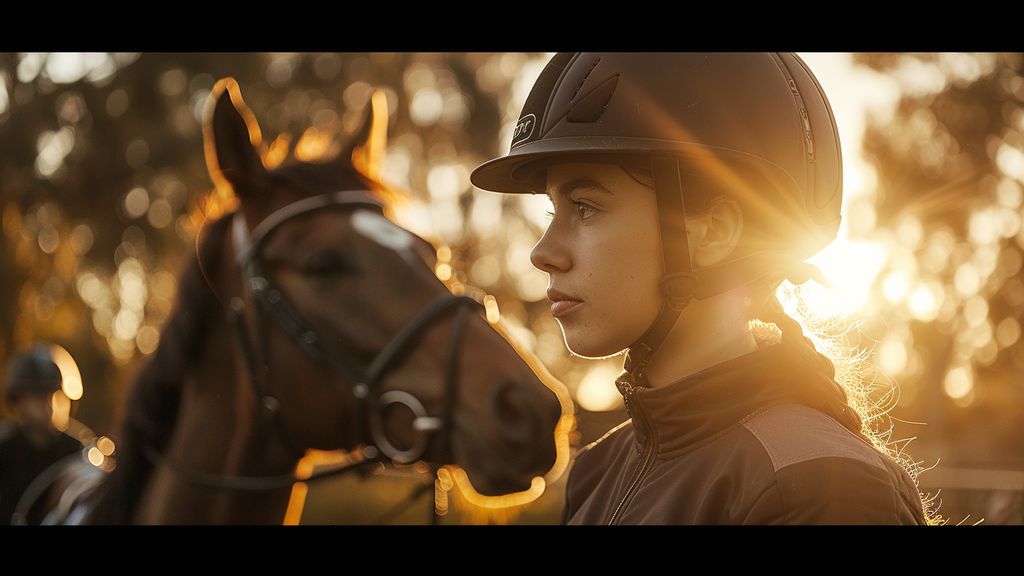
(973, 479)
(969, 495)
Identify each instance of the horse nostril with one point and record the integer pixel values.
(512, 412)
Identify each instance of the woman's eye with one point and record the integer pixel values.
(584, 210)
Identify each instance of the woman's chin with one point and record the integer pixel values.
(586, 349)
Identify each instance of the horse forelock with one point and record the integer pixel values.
(313, 178)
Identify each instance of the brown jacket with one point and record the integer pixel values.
(732, 445)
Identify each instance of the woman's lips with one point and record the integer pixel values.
(563, 307)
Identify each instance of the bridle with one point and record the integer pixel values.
(370, 402)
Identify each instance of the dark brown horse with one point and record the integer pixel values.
(309, 320)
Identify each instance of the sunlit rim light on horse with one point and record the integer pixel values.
(71, 377)
(566, 424)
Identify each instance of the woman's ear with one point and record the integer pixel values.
(715, 233)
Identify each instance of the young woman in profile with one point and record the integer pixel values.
(686, 187)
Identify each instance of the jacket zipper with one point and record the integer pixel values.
(648, 455)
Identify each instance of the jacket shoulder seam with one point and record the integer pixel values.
(784, 453)
(788, 507)
(896, 494)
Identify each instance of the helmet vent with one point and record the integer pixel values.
(591, 106)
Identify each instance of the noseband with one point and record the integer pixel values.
(364, 382)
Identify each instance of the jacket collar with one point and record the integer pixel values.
(688, 412)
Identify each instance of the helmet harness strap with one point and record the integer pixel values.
(681, 283)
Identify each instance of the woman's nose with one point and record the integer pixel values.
(549, 255)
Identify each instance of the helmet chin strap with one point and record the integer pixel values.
(681, 283)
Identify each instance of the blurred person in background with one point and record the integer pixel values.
(686, 188)
(30, 443)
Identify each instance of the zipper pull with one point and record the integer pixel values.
(627, 386)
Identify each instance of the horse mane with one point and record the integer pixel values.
(154, 398)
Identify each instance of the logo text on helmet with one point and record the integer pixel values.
(524, 129)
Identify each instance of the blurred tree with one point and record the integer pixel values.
(102, 161)
(950, 165)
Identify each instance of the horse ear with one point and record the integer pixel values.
(231, 141)
(366, 150)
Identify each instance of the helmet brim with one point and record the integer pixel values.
(515, 173)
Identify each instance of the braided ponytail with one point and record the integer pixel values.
(845, 398)
(831, 398)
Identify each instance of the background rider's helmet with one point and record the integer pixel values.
(32, 372)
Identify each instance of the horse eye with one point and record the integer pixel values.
(327, 264)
